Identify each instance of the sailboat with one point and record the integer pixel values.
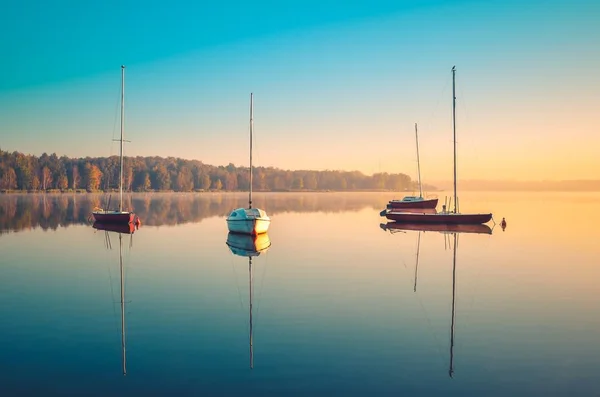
(250, 246)
(249, 220)
(445, 216)
(123, 230)
(414, 201)
(105, 215)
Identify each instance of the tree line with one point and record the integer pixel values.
(25, 172)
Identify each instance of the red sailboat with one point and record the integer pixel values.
(103, 215)
(446, 216)
(414, 201)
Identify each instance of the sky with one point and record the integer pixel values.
(337, 84)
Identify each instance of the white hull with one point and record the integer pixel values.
(248, 221)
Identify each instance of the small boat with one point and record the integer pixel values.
(414, 201)
(249, 220)
(443, 217)
(250, 246)
(105, 215)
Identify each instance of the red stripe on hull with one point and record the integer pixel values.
(427, 203)
(452, 219)
(113, 218)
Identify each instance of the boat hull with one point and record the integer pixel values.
(401, 204)
(113, 217)
(438, 218)
(250, 221)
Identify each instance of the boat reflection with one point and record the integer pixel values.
(394, 227)
(120, 230)
(127, 228)
(249, 246)
(449, 231)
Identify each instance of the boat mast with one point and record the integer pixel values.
(122, 303)
(454, 129)
(451, 369)
(418, 162)
(251, 293)
(251, 127)
(121, 140)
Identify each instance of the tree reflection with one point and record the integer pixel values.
(49, 211)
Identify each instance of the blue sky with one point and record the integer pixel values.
(338, 85)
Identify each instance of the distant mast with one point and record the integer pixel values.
(418, 162)
(251, 127)
(454, 129)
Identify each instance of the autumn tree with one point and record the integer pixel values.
(205, 182)
(35, 182)
(185, 182)
(93, 177)
(62, 183)
(9, 179)
(46, 178)
(217, 185)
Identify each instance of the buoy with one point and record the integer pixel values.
(138, 222)
(503, 223)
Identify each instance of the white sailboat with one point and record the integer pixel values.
(249, 220)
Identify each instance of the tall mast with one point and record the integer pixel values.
(454, 128)
(251, 127)
(121, 140)
(122, 303)
(418, 162)
(451, 370)
(251, 293)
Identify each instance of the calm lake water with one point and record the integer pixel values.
(340, 305)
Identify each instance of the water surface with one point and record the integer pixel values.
(340, 305)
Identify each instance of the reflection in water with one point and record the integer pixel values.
(49, 211)
(447, 230)
(128, 228)
(120, 230)
(247, 245)
(394, 227)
